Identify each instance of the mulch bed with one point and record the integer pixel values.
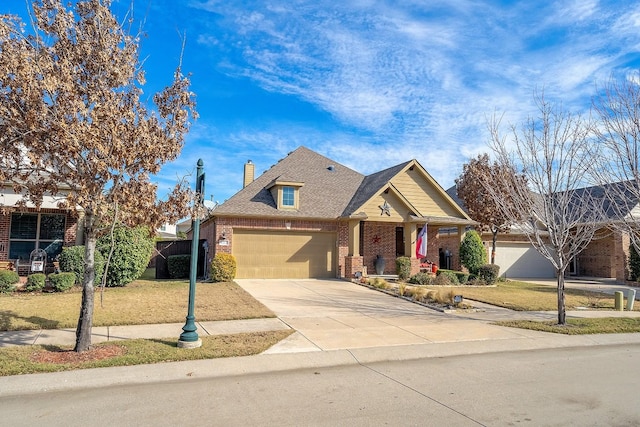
(71, 357)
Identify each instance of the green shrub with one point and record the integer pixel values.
(223, 267)
(463, 277)
(72, 261)
(132, 250)
(8, 279)
(472, 251)
(489, 273)
(421, 279)
(403, 267)
(61, 282)
(634, 263)
(446, 278)
(35, 282)
(179, 266)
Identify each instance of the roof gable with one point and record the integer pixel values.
(413, 185)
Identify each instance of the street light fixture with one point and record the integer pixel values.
(189, 338)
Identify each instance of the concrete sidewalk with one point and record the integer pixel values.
(99, 334)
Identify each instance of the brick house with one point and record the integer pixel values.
(23, 229)
(606, 256)
(309, 216)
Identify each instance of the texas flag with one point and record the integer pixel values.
(421, 243)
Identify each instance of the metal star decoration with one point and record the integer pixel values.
(385, 209)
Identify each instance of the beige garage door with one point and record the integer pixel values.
(284, 255)
(521, 260)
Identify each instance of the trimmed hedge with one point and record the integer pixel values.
(179, 266)
(35, 282)
(72, 261)
(61, 282)
(461, 276)
(132, 250)
(8, 279)
(450, 275)
(421, 279)
(403, 267)
(223, 267)
(489, 273)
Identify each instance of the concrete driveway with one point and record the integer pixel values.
(336, 314)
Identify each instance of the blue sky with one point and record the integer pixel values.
(372, 84)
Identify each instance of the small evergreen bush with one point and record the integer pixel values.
(489, 273)
(223, 267)
(132, 250)
(179, 266)
(61, 282)
(421, 279)
(472, 251)
(634, 263)
(463, 277)
(72, 261)
(35, 282)
(403, 267)
(8, 279)
(446, 278)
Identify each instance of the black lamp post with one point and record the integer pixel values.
(189, 338)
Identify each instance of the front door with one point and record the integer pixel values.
(399, 241)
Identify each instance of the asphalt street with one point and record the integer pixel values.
(591, 386)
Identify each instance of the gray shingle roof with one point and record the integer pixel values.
(325, 193)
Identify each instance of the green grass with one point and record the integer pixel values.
(141, 302)
(524, 296)
(23, 359)
(608, 325)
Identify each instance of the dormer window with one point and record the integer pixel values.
(285, 193)
(288, 197)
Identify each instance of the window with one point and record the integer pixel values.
(288, 197)
(30, 231)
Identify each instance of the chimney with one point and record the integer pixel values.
(249, 169)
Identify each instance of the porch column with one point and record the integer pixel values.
(354, 238)
(410, 235)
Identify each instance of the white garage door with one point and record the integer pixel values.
(521, 260)
(284, 255)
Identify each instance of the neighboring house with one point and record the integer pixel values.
(310, 217)
(23, 229)
(605, 256)
(515, 254)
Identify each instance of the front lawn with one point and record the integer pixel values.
(141, 302)
(36, 359)
(524, 296)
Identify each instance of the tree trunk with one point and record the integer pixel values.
(494, 231)
(562, 318)
(85, 322)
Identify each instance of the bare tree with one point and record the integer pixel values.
(557, 213)
(72, 116)
(617, 106)
(478, 201)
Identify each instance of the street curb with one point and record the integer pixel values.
(214, 368)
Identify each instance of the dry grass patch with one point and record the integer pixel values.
(34, 359)
(141, 302)
(523, 296)
(608, 325)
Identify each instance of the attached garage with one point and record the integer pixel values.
(262, 254)
(521, 260)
